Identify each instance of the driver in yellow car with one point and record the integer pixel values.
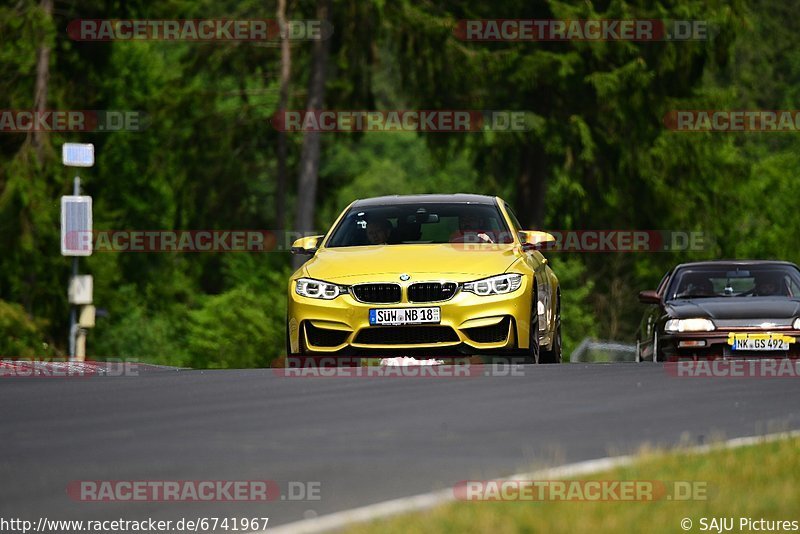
(378, 231)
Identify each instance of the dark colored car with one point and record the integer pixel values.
(722, 309)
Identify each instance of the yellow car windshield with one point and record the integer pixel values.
(421, 223)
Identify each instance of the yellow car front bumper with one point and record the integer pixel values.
(496, 322)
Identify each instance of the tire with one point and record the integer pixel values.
(554, 354)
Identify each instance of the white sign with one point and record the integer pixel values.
(81, 288)
(76, 225)
(77, 154)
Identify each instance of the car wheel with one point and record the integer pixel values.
(554, 354)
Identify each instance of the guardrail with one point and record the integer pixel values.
(597, 350)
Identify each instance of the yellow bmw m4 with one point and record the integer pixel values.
(417, 274)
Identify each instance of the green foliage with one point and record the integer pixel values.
(20, 335)
(577, 320)
(240, 328)
(140, 334)
(387, 163)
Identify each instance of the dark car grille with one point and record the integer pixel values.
(324, 337)
(489, 334)
(378, 293)
(406, 335)
(431, 291)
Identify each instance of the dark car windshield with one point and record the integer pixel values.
(760, 280)
(421, 223)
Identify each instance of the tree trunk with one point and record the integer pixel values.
(532, 186)
(42, 81)
(309, 155)
(286, 68)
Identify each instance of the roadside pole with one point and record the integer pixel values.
(76, 241)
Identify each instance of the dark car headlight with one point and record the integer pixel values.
(697, 324)
(494, 285)
(317, 289)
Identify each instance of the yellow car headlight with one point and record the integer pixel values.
(494, 285)
(317, 289)
(689, 325)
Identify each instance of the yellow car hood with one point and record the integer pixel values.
(377, 262)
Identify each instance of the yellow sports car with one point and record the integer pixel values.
(418, 274)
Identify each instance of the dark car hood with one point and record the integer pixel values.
(735, 308)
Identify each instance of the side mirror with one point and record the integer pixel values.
(536, 240)
(306, 245)
(649, 297)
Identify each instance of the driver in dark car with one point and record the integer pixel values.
(697, 286)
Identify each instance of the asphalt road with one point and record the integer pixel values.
(364, 440)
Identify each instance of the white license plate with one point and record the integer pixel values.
(766, 343)
(400, 316)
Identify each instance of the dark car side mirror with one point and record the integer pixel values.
(649, 297)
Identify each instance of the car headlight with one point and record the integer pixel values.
(689, 325)
(495, 285)
(796, 324)
(317, 289)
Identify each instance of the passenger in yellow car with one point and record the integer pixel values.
(471, 229)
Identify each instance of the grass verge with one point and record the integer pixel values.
(757, 482)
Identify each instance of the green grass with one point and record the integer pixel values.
(760, 481)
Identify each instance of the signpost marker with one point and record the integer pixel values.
(76, 240)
